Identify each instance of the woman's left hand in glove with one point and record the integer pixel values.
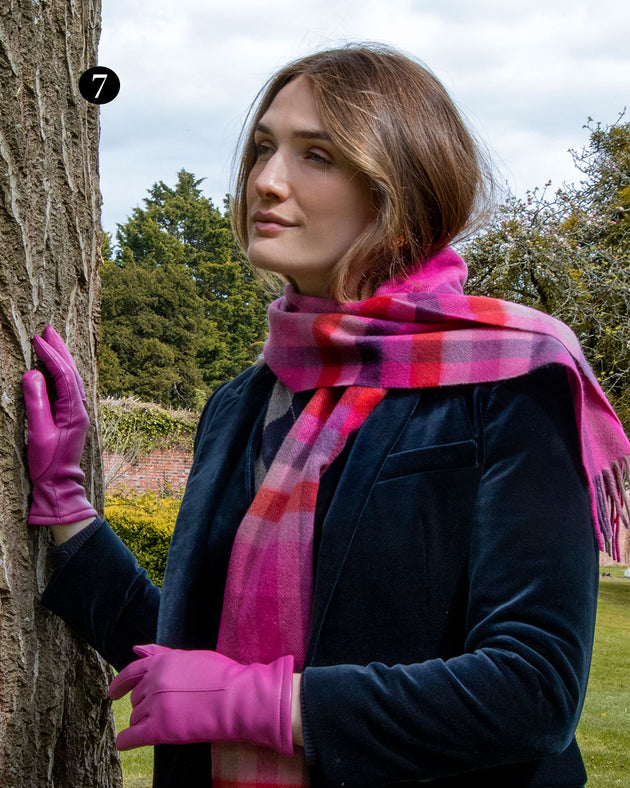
(180, 697)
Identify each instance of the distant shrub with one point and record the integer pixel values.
(145, 425)
(145, 524)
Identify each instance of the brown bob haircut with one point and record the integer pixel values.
(394, 122)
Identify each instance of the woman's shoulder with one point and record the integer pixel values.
(258, 372)
(531, 404)
(549, 383)
(547, 387)
(254, 383)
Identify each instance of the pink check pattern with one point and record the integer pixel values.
(421, 331)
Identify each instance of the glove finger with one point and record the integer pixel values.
(130, 675)
(150, 650)
(126, 680)
(38, 412)
(43, 435)
(69, 408)
(138, 694)
(136, 736)
(139, 712)
(57, 343)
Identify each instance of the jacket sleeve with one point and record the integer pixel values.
(516, 692)
(105, 597)
(102, 593)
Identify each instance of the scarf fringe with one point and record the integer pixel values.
(612, 496)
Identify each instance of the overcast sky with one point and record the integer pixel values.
(527, 75)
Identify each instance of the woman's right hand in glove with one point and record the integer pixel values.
(56, 436)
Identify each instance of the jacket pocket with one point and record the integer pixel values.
(462, 454)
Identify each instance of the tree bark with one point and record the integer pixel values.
(56, 726)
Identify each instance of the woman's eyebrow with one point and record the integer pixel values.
(309, 134)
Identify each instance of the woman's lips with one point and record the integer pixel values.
(263, 228)
(270, 223)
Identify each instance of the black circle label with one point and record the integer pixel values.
(99, 85)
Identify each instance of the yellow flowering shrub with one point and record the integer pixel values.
(145, 524)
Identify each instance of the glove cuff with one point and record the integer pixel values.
(277, 686)
(285, 726)
(59, 504)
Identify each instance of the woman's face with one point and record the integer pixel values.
(305, 204)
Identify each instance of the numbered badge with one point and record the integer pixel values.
(99, 85)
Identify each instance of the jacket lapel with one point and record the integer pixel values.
(354, 482)
(219, 492)
(217, 496)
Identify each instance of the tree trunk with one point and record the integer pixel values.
(56, 727)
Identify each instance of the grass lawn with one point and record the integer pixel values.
(604, 730)
(137, 764)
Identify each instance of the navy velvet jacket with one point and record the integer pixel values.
(455, 586)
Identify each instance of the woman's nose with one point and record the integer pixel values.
(273, 178)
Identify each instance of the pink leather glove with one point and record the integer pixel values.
(180, 697)
(56, 436)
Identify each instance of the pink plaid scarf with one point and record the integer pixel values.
(417, 331)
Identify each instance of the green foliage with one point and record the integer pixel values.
(131, 429)
(152, 329)
(568, 254)
(107, 250)
(146, 425)
(145, 524)
(606, 189)
(182, 310)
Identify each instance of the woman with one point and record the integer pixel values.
(384, 568)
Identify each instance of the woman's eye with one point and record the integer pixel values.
(318, 158)
(263, 149)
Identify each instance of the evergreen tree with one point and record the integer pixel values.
(178, 241)
(152, 330)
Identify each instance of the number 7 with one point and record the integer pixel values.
(99, 76)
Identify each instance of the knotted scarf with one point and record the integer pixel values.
(416, 331)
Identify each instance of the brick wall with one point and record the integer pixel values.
(159, 471)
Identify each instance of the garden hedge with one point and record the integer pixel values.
(145, 524)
